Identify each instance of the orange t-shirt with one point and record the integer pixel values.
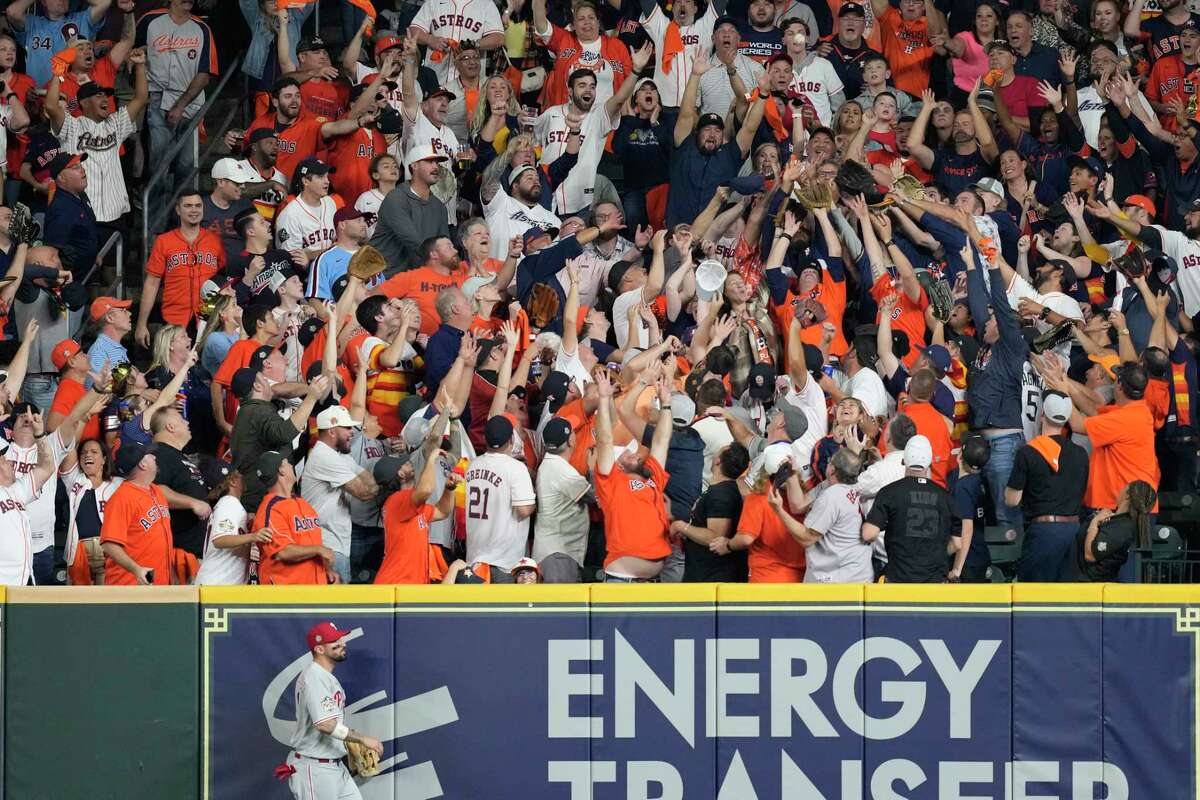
(292, 521)
(907, 49)
(585, 433)
(297, 141)
(138, 519)
(635, 513)
(237, 357)
(423, 284)
(405, 540)
(775, 557)
(324, 98)
(351, 155)
(183, 267)
(832, 295)
(933, 426)
(1158, 398)
(907, 316)
(1122, 451)
(69, 393)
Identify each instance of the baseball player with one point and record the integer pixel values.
(314, 767)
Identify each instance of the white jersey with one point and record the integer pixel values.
(508, 217)
(101, 141)
(1061, 304)
(225, 566)
(457, 20)
(1091, 112)
(550, 131)
(395, 97)
(495, 535)
(1031, 401)
(369, 202)
(78, 485)
(16, 549)
(818, 81)
(696, 37)
(1186, 253)
(300, 226)
(419, 131)
(810, 400)
(5, 117)
(40, 511)
(319, 697)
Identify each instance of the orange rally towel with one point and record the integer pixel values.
(1048, 449)
(672, 45)
(61, 61)
(365, 5)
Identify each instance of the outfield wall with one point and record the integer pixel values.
(611, 692)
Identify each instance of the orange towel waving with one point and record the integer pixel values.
(672, 45)
(1048, 449)
(365, 5)
(61, 61)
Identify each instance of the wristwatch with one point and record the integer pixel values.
(1044, 313)
(730, 70)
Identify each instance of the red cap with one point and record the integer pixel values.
(103, 305)
(346, 213)
(63, 351)
(387, 43)
(324, 633)
(1141, 201)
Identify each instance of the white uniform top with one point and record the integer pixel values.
(1186, 253)
(696, 37)
(319, 697)
(811, 400)
(16, 552)
(620, 320)
(78, 485)
(508, 217)
(369, 202)
(1031, 401)
(1061, 304)
(225, 566)
(550, 131)
(495, 483)
(325, 473)
(420, 130)
(5, 117)
(457, 20)
(40, 511)
(300, 226)
(101, 141)
(817, 80)
(1091, 112)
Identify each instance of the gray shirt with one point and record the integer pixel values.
(365, 453)
(326, 472)
(906, 104)
(405, 220)
(319, 696)
(52, 329)
(716, 94)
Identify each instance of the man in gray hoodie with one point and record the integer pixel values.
(410, 213)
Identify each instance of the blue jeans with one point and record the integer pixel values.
(39, 390)
(996, 471)
(341, 565)
(162, 138)
(366, 552)
(1047, 545)
(43, 567)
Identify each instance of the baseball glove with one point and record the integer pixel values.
(941, 299)
(1052, 338)
(543, 305)
(909, 187)
(364, 762)
(366, 263)
(855, 179)
(22, 228)
(817, 194)
(810, 312)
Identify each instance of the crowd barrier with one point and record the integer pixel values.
(732, 692)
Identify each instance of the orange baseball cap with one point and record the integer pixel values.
(103, 305)
(1109, 362)
(63, 351)
(1141, 201)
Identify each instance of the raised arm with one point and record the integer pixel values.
(662, 428)
(606, 457)
(883, 337)
(654, 280)
(141, 89)
(504, 378)
(688, 113)
(627, 411)
(354, 47)
(641, 57)
(754, 118)
(916, 136)
(16, 12)
(983, 131)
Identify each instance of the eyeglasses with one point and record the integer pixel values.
(468, 58)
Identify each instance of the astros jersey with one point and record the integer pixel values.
(102, 143)
(1186, 253)
(817, 80)
(696, 37)
(183, 267)
(300, 226)
(292, 521)
(495, 482)
(456, 20)
(352, 155)
(40, 512)
(175, 54)
(225, 566)
(319, 697)
(550, 131)
(405, 540)
(137, 518)
(16, 551)
(298, 140)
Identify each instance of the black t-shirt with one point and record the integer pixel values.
(760, 45)
(1046, 491)
(87, 518)
(1110, 549)
(915, 513)
(847, 63)
(220, 221)
(701, 565)
(177, 472)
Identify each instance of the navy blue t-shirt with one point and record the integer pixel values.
(969, 501)
(957, 171)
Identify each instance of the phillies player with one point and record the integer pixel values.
(441, 24)
(306, 223)
(314, 767)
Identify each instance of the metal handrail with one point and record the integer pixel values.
(189, 139)
(117, 287)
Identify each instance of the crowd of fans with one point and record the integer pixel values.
(777, 291)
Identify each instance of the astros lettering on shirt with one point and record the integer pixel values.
(696, 37)
(300, 226)
(456, 20)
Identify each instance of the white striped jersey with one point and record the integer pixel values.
(102, 143)
(300, 226)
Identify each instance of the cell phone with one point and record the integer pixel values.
(781, 477)
(149, 576)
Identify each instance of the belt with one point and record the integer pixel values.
(320, 760)
(1056, 518)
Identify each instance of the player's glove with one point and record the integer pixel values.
(1059, 334)
(366, 263)
(22, 228)
(854, 179)
(543, 305)
(817, 194)
(364, 762)
(941, 299)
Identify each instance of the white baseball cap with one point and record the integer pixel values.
(472, 285)
(774, 456)
(336, 417)
(232, 170)
(422, 152)
(918, 452)
(1057, 408)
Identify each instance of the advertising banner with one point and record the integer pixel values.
(727, 692)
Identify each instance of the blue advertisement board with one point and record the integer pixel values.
(726, 692)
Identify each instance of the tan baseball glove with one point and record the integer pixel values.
(543, 305)
(366, 263)
(816, 194)
(364, 762)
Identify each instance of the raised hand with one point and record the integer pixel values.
(858, 207)
(1023, 245)
(701, 64)
(642, 235)
(641, 57)
(1051, 94)
(604, 386)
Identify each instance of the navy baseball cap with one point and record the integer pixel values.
(1090, 163)
(313, 166)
